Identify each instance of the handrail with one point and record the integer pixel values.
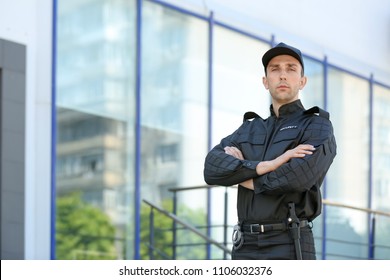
(179, 189)
(337, 204)
(188, 226)
(371, 214)
(324, 201)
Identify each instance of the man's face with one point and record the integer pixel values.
(284, 79)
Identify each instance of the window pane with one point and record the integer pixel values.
(347, 180)
(381, 167)
(381, 150)
(174, 113)
(95, 117)
(313, 92)
(237, 81)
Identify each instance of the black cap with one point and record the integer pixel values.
(280, 49)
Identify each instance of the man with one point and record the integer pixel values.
(279, 164)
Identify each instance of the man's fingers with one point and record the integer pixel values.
(233, 151)
(305, 150)
(306, 147)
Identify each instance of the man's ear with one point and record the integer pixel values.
(265, 82)
(303, 82)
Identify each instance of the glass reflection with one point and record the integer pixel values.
(313, 92)
(347, 180)
(95, 118)
(381, 167)
(174, 120)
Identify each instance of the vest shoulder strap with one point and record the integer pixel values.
(250, 115)
(319, 111)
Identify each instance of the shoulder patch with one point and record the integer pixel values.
(319, 111)
(250, 115)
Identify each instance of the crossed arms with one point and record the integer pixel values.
(296, 170)
(264, 167)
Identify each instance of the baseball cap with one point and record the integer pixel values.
(280, 49)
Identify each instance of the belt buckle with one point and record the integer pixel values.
(256, 232)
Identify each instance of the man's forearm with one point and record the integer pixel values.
(270, 165)
(264, 167)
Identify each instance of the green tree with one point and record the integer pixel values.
(190, 246)
(82, 230)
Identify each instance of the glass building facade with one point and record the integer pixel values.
(145, 89)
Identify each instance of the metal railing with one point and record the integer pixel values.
(225, 225)
(372, 226)
(367, 210)
(223, 245)
(176, 220)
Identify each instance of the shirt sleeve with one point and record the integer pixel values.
(225, 170)
(301, 174)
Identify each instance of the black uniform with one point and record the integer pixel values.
(296, 181)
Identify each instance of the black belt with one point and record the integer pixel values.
(261, 228)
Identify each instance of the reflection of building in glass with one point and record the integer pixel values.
(160, 163)
(91, 154)
(91, 159)
(95, 139)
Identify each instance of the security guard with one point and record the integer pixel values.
(279, 164)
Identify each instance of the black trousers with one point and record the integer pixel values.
(275, 245)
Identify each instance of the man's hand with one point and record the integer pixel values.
(298, 152)
(263, 167)
(233, 151)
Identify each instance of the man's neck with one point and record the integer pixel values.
(276, 106)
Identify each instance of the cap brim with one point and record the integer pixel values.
(270, 54)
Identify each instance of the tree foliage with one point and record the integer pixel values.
(82, 230)
(85, 232)
(188, 244)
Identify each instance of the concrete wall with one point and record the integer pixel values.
(29, 23)
(12, 148)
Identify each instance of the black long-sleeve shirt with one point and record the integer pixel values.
(297, 181)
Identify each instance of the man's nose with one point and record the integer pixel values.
(282, 75)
